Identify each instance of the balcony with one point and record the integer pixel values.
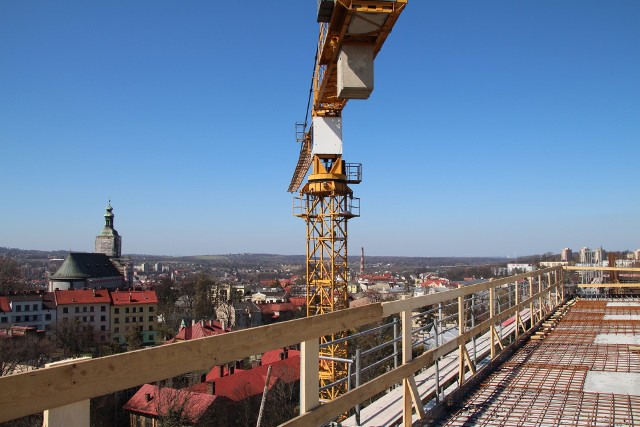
(451, 343)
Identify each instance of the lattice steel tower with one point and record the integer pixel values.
(351, 35)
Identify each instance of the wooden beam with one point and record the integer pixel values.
(415, 397)
(576, 268)
(309, 367)
(609, 285)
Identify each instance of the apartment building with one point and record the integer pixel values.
(134, 310)
(90, 307)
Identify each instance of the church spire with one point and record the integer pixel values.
(109, 241)
(108, 216)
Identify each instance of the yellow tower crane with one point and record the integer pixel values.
(351, 35)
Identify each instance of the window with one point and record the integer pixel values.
(35, 307)
(141, 328)
(134, 309)
(103, 318)
(126, 320)
(116, 310)
(84, 318)
(150, 318)
(18, 308)
(141, 319)
(103, 328)
(151, 309)
(116, 330)
(151, 327)
(84, 309)
(47, 317)
(77, 309)
(92, 309)
(26, 318)
(91, 319)
(104, 308)
(65, 309)
(18, 318)
(116, 320)
(4, 320)
(141, 309)
(126, 310)
(101, 337)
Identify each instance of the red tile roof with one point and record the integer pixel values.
(214, 373)
(298, 302)
(273, 356)
(149, 401)
(199, 330)
(134, 297)
(245, 384)
(271, 308)
(4, 305)
(82, 296)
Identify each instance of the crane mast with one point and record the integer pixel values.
(351, 35)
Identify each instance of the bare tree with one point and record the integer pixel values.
(73, 337)
(226, 314)
(10, 277)
(23, 352)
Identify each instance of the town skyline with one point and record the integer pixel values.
(494, 130)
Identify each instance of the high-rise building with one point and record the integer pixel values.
(589, 256)
(109, 242)
(566, 255)
(598, 255)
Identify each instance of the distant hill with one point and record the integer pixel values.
(261, 259)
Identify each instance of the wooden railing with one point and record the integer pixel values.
(539, 292)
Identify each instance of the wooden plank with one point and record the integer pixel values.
(576, 268)
(309, 367)
(34, 391)
(609, 285)
(415, 397)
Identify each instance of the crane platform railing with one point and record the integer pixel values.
(502, 302)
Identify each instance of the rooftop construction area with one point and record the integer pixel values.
(582, 371)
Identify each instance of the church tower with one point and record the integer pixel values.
(109, 242)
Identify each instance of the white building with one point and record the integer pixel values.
(519, 268)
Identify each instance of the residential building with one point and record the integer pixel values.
(134, 310)
(247, 315)
(152, 404)
(31, 309)
(519, 268)
(547, 264)
(201, 329)
(566, 255)
(89, 307)
(276, 312)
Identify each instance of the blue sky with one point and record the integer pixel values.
(495, 127)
